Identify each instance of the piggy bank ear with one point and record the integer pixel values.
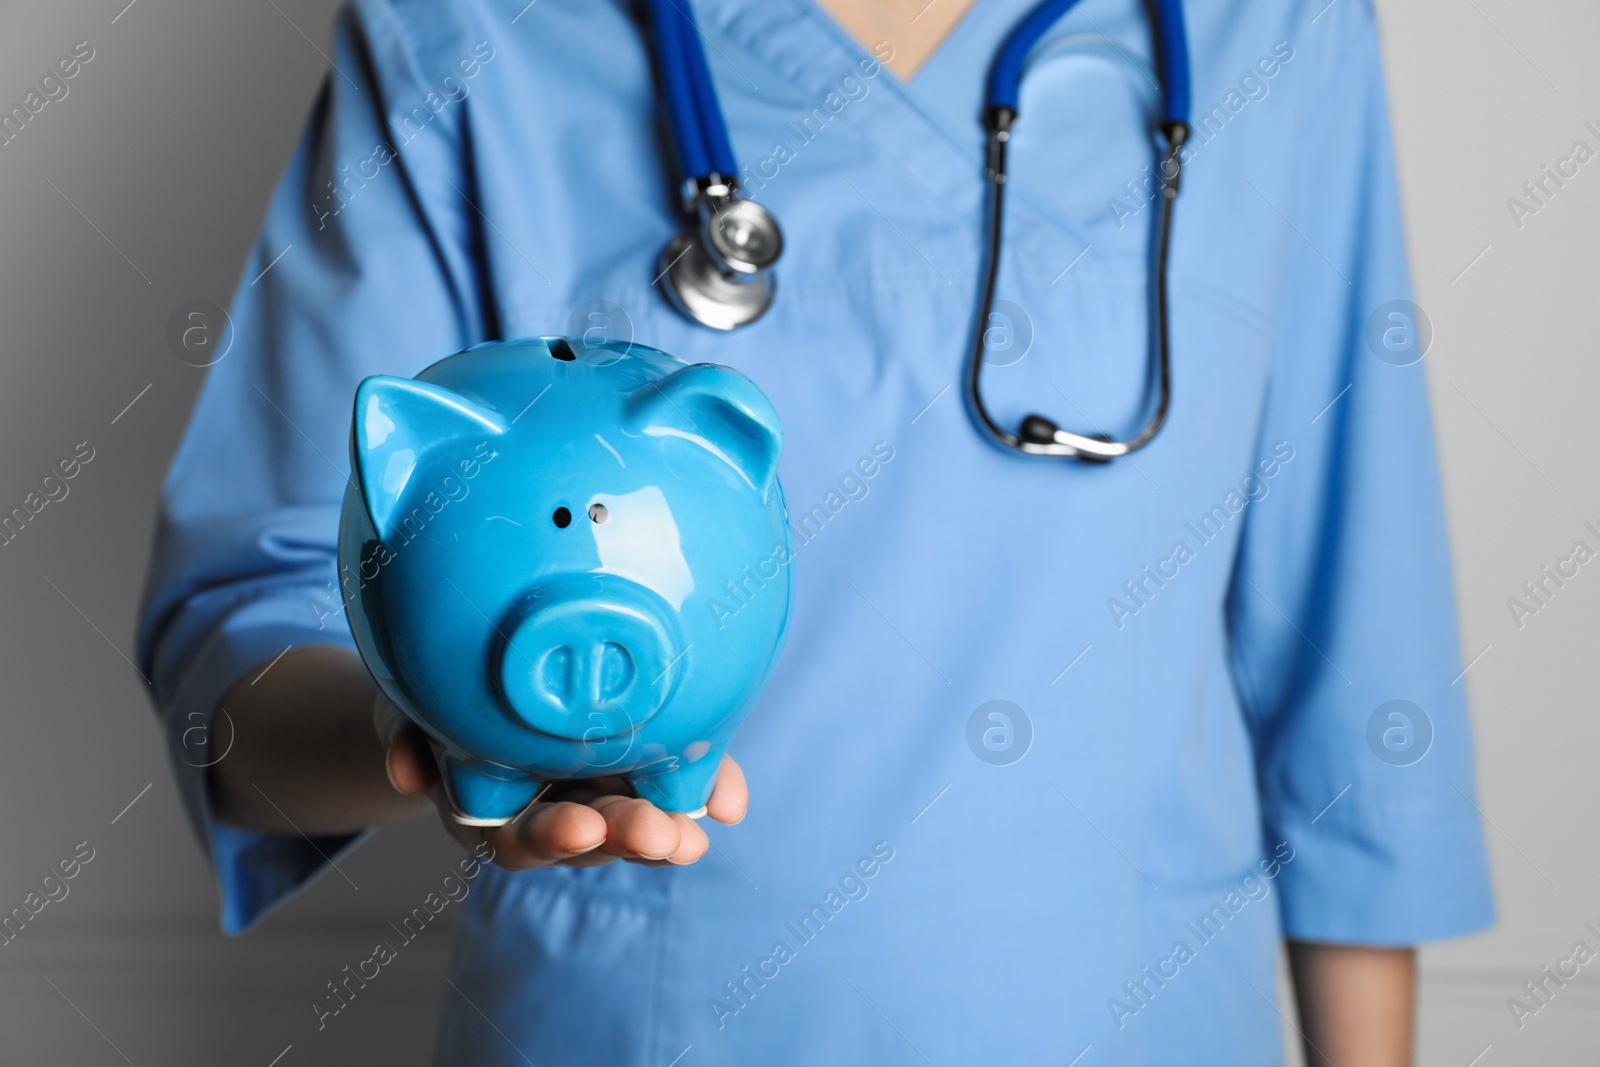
(398, 422)
(719, 409)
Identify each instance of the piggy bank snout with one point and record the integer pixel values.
(587, 659)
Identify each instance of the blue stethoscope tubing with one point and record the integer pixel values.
(692, 107)
(1005, 75)
(1038, 435)
(717, 270)
(706, 158)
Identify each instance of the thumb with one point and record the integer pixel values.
(408, 758)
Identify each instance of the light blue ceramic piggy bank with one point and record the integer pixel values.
(567, 561)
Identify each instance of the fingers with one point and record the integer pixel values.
(637, 828)
(600, 831)
(730, 798)
(410, 763)
(692, 841)
(546, 834)
(591, 824)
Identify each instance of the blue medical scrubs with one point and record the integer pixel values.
(1198, 649)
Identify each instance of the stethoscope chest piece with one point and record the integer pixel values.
(718, 271)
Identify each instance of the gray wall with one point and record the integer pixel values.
(1484, 93)
(168, 142)
(162, 157)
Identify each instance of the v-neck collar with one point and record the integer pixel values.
(800, 42)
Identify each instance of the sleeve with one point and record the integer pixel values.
(1341, 611)
(363, 266)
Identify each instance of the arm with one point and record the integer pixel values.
(308, 758)
(1357, 1003)
(1342, 602)
(244, 564)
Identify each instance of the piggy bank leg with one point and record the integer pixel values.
(481, 795)
(683, 787)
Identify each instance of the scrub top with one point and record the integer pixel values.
(1057, 753)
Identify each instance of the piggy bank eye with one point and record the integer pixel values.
(562, 518)
(598, 513)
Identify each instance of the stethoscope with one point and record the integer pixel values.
(718, 270)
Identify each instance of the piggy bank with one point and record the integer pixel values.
(567, 561)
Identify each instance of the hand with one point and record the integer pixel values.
(581, 824)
